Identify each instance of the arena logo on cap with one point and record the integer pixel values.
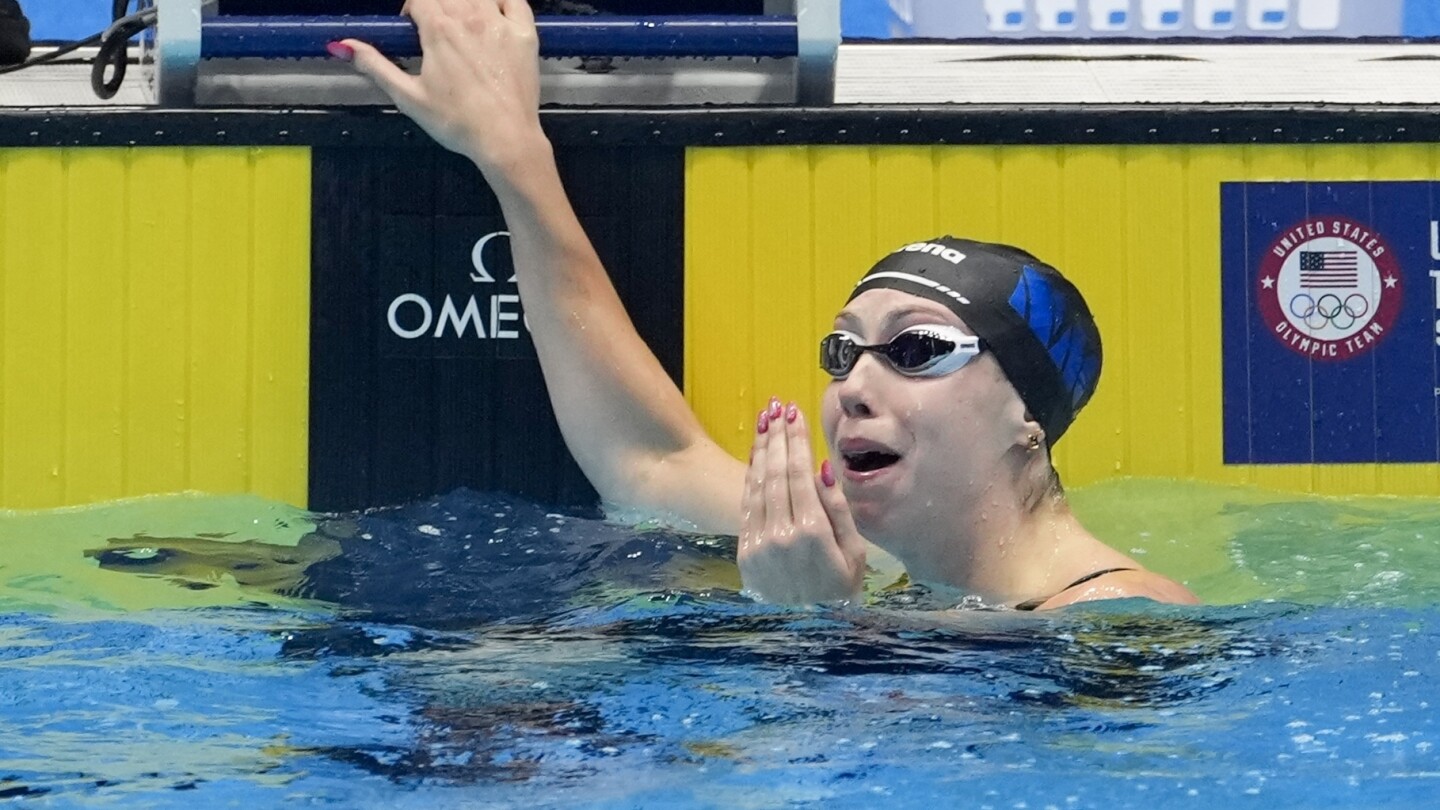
(1329, 288)
(948, 254)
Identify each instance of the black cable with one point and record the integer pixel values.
(53, 55)
(114, 48)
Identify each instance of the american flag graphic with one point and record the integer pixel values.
(1329, 269)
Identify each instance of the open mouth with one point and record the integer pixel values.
(870, 460)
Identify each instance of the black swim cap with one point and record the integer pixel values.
(1035, 322)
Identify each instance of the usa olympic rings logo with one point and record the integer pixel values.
(1329, 288)
(1329, 310)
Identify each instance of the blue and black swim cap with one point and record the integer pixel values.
(1036, 323)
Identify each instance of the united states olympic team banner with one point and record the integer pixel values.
(1331, 322)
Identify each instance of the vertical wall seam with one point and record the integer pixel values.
(1126, 451)
(251, 334)
(813, 254)
(936, 226)
(126, 246)
(753, 383)
(1183, 155)
(66, 277)
(872, 159)
(187, 251)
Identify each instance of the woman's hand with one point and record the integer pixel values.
(798, 542)
(478, 91)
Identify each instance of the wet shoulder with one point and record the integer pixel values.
(1126, 584)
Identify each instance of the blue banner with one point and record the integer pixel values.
(1088, 19)
(1331, 322)
(65, 20)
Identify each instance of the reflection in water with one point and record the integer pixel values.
(457, 561)
(521, 646)
(198, 563)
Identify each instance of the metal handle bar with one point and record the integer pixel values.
(295, 37)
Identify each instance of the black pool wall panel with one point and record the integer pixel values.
(397, 417)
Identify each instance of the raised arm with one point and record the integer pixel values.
(623, 419)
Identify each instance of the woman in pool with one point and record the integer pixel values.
(956, 366)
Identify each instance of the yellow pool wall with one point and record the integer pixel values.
(154, 311)
(155, 301)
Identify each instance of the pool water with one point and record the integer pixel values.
(478, 650)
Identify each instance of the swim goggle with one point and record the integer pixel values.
(920, 351)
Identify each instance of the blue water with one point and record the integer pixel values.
(478, 650)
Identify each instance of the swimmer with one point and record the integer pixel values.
(956, 367)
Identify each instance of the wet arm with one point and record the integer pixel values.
(623, 418)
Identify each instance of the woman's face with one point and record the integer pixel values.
(910, 450)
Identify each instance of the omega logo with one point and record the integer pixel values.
(412, 316)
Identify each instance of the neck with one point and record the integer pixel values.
(1012, 553)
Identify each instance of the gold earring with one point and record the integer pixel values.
(1034, 441)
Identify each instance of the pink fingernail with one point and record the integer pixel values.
(791, 412)
(774, 408)
(764, 423)
(340, 51)
(827, 473)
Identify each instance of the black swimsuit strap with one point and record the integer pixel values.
(1031, 604)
